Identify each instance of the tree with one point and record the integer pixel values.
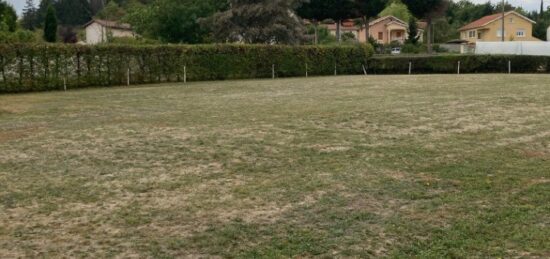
(427, 9)
(28, 20)
(315, 11)
(175, 21)
(413, 32)
(398, 9)
(42, 11)
(367, 9)
(259, 21)
(50, 25)
(8, 17)
(339, 10)
(73, 12)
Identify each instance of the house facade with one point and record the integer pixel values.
(384, 30)
(489, 28)
(100, 31)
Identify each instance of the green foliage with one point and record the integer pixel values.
(73, 12)
(28, 20)
(19, 36)
(468, 64)
(50, 25)
(413, 32)
(412, 48)
(44, 67)
(8, 17)
(174, 21)
(258, 21)
(397, 9)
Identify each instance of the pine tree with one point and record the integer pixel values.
(28, 20)
(73, 12)
(413, 32)
(41, 12)
(50, 25)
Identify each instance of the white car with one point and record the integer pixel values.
(396, 51)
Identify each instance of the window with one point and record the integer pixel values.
(520, 33)
(472, 34)
(511, 19)
(398, 34)
(380, 36)
(499, 32)
(479, 35)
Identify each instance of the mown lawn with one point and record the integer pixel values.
(426, 166)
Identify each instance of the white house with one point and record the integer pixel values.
(99, 31)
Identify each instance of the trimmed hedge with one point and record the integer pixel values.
(449, 64)
(52, 66)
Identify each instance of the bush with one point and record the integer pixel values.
(412, 48)
(46, 66)
(449, 64)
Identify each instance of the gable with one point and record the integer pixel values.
(484, 21)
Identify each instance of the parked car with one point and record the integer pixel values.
(396, 51)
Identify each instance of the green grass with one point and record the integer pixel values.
(399, 166)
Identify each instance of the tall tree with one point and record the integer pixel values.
(427, 9)
(315, 11)
(175, 21)
(73, 12)
(367, 9)
(8, 16)
(259, 21)
(50, 25)
(413, 32)
(28, 19)
(339, 10)
(398, 9)
(42, 11)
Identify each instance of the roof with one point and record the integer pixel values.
(489, 19)
(109, 24)
(391, 17)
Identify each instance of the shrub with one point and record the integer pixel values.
(46, 66)
(468, 64)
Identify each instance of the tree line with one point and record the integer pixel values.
(252, 21)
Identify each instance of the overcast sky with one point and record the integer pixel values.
(526, 4)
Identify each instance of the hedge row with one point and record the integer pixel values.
(52, 67)
(449, 64)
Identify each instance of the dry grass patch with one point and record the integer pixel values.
(399, 166)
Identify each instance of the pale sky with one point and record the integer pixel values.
(526, 4)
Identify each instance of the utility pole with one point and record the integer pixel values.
(502, 28)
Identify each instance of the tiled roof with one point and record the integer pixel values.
(110, 24)
(489, 18)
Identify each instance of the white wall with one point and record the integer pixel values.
(533, 48)
(95, 33)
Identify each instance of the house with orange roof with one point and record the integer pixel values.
(384, 30)
(489, 28)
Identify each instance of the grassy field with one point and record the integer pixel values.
(427, 166)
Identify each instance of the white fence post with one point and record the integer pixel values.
(307, 70)
(128, 78)
(509, 66)
(273, 71)
(364, 70)
(65, 84)
(184, 74)
(335, 71)
(410, 67)
(458, 71)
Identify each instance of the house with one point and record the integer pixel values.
(489, 28)
(384, 30)
(389, 28)
(99, 31)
